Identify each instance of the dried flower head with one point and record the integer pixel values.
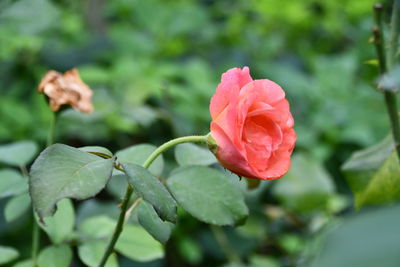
(66, 89)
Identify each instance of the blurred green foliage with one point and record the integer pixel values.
(153, 66)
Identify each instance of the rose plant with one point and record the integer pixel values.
(251, 135)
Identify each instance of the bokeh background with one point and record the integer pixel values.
(153, 66)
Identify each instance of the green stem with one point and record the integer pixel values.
(119, 227)
(24, 170)
(224, 244)
(394, 35)
(129, 189)
(52, 129)
(391, 105)
(387, 65)
(35, 241)
(174, 142)
(378, 38)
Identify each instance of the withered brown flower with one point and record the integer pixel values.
(66, 89)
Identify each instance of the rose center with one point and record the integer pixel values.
(261, 137)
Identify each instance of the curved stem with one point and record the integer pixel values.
(124, 213)
(174, 142)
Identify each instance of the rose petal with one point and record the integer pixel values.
(228, 90)
(228, 155)
(279, 163)
(266, 91)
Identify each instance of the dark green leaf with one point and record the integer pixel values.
(19, 153)
(366, 239)
(12, 183)
(191, 154)
(52, 256)
(150, 221)
(152, 190)
(62, 171)
(208, 195)
(138, 154)
(136, 244)
(16, 207)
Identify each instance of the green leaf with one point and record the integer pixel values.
(208, 195)
(373, 174)
(52, 256)
(94, 207)
(18, 17)
(25, 263)
(60, 226)
(362, 165)
(97, 227)
(152, 190)
(191, 154)
(138, 154)
(92, 252)
(263, 261)
(98, 151)
(136, 244)
(306, 187)
(12, 183)
(7, 254)
(384, 187)
(117, 185)
(150, 221)
(367, 239)
(62, 171)
(370, 158)
(16, 207)
(19, 153)
(189, 250)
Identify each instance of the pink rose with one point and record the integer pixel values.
(252, 126)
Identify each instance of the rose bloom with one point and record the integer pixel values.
(66, 89)
(252, 126)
